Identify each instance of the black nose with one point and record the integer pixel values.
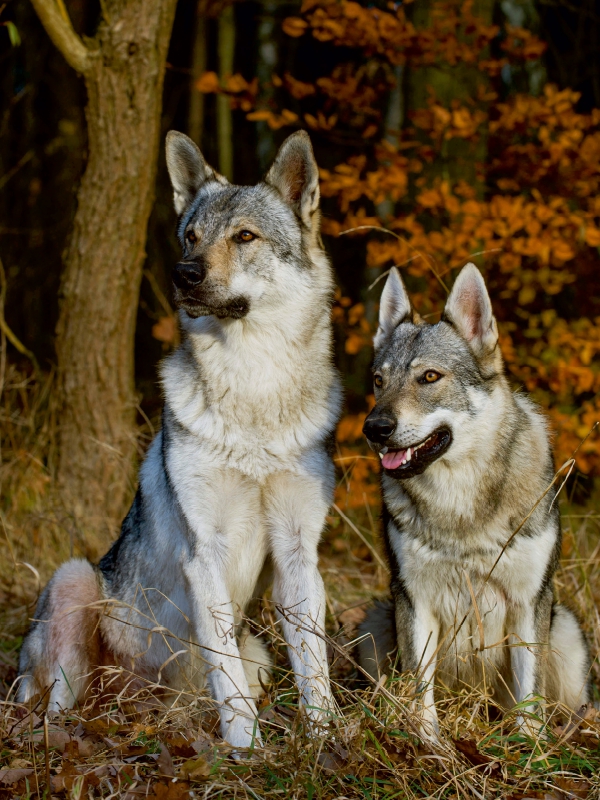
(379, 426)
(188, 274)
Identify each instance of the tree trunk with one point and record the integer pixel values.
(224, 115)
(123, 67)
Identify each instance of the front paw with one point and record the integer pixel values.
(426, 723)
(321, 713)
(241, 731)
(531, 726)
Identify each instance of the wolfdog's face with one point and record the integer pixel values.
(431, 381)
(244, 247)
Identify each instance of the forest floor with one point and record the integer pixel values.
(131, 747)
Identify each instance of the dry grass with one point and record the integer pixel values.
(140, 746)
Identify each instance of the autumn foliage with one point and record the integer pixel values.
(507, 179)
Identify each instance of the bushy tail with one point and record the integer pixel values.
(257, 661)
(377, 648)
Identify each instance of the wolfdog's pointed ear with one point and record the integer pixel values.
(295, 175)
(469, 309)
(394, 306)
(187, 169)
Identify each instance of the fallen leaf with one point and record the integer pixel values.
(19, 763)
(164, 762)
(203, 743)
(10, 776)
(63, 742)
(330, 762)
(66, 778)
(468, 747)
(170, 791)
(196, 769)
(572, 787)
(180, 745)
(80, 777)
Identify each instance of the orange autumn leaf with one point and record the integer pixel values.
(592, 236)
(166, 330)
(294, 26)
(208, 82)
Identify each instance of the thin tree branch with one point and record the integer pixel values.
(61, 31)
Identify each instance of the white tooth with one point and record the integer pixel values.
(408, 454)
(381, 455)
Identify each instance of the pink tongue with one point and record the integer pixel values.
(393, 459)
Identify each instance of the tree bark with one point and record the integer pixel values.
(123, 67)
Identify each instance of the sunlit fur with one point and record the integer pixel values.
(240, 478)
(473, 542)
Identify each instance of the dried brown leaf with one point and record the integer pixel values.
(572, 787)
(197, 769)
(164, 762)
(11, 776)
(170, 791)
(468, 747)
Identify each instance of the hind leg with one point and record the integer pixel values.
(63, 644)
(568, 660)
(378, 643)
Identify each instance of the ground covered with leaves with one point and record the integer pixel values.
(142, 748)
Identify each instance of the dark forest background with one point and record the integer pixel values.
(43, 141)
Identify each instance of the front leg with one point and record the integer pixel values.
(529, 626)
(296, 510)
(220, 514)
(418, 634)
(214, 629)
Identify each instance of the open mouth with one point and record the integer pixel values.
(413, 460)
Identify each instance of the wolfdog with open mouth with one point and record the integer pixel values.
(470, 518)
(240, 478)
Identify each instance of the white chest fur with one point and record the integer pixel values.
(255, 399)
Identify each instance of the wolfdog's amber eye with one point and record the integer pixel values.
(431, 376)
(378, 381)
(246, 236)
(191, 237)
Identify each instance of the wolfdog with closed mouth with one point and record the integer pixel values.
(470, 519)
(240, 478)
